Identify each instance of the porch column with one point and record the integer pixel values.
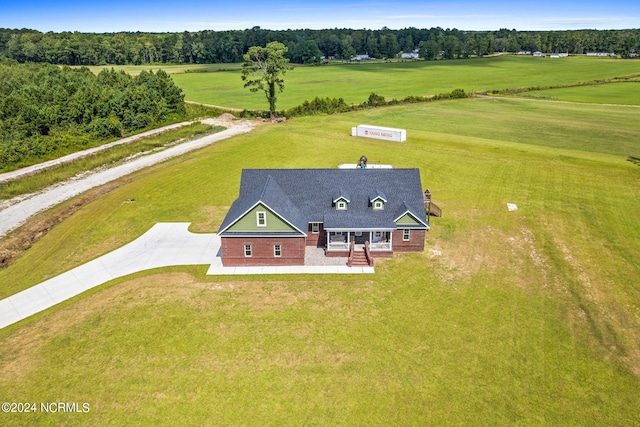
(390, 240)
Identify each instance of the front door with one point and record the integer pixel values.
(360, 237)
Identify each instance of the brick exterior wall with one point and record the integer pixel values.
(318, 239)
(382, 254)
(336, 253)
(293, 248)
(262, 251)
(415, 244)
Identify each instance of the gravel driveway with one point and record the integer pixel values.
(16, 214)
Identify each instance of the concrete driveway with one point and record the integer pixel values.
(165, 244)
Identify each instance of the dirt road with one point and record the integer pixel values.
(17, 213)
(30, 170)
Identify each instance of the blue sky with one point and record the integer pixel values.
(195, 15)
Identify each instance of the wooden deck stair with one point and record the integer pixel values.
(430, 207)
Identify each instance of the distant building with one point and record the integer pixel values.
(410, 55)
(524, 52)
(600, 54)
(364, 57)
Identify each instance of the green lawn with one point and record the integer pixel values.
(527, 317)
(623, 93)
(355, 82)
(598, 129)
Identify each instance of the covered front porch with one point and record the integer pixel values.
(339, 241)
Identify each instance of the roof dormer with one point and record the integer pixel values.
(377, 204)
(377, 201)
(341, 203)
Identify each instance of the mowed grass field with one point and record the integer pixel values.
(622, 93)
(355, 82)
(529, 317)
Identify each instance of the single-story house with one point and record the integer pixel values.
(364, 57)
(279, 212)
(411, 55)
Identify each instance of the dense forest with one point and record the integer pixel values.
(47, 110)
(304, 46)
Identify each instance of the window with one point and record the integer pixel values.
(406, 234)
(358, 233)
(261, 218)
(247, 249)
(277, 250)
(315, 227)
(378, 205)
(341, 205)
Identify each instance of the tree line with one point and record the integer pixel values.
(49, 110)
(319, 106)
(304, 46)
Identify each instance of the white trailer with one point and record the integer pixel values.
(356, 166)
(379, 132)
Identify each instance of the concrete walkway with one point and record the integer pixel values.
(165, 244)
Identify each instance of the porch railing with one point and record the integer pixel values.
(351, 250)
(380, 246)
(342, 246)
(367, 254)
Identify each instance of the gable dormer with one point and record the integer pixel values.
(341, 199)
(341, 203)
(377, 201)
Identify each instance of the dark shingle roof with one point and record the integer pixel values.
(306, 195)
